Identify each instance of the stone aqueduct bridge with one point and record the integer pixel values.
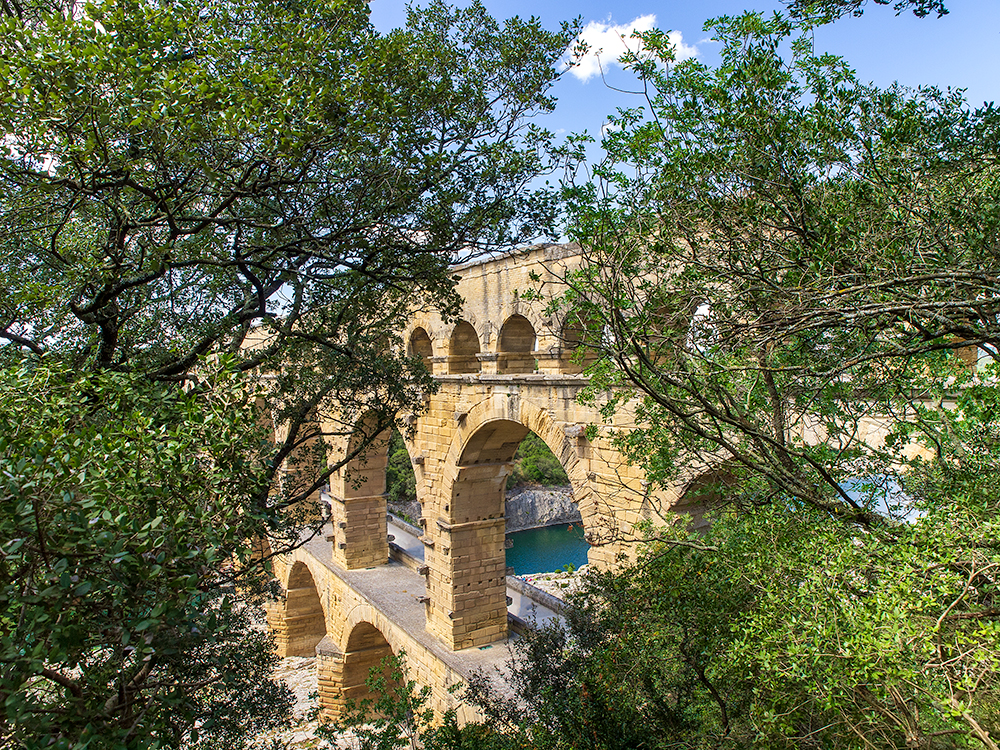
(503, 371)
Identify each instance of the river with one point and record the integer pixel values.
(547, 549)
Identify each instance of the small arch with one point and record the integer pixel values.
(366, 650)
(462, 349)
(305, 622)
(576, 354)
(516, 346)
(420, 346)
(701, 334)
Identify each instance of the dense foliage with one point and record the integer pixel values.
(784, 261)
(535, 463)
(124, 514)
(279, 182)
(214, 218)
(831, 635)
(793, 280)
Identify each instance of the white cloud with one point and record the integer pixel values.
(608, 42)
(610, 127)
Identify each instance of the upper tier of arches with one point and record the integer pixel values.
(519, 345)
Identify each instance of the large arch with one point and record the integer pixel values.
(365, 648)
(299, 622)
(516, 346)
(701, 494)
(366, 639)
(466, 560)
(305, 462)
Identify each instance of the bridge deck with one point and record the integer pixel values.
(395, 590)
(523, 607)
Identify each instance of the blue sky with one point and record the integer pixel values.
(960, 50)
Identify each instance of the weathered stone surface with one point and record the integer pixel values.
(503, 369)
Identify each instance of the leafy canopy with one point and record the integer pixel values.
(123, 520)
(793, 281)
(215, 218)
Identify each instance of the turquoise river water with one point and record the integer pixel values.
(547, 549)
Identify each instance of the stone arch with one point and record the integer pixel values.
(533, 312)
(516, 345)
(566, 442)
(702, 493)
(365, 648)
(432, 326)
(466, 563)
(463, 346)
(344, 664)
(299, 622)
(419, 345)
(571, 338)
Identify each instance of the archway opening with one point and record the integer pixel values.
(368, 669)
(299, 481)
(576, 355)
(304, 623)
(706, 493)
(467, 586)
(462, 350)
(420, 346)
(544, 530)
(401, 481)
(701, 334)
(517, 346)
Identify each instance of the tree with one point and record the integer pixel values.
(793, 278)
(121, 507)
(825, 11)
(188, 179)
(400, 480)
(535, 463)
(193, 193)
(798, 250)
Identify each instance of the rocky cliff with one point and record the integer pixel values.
(532, 507)
(527, 508)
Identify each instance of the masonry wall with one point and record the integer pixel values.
(343, 610)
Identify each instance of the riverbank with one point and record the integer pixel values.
(560, 584)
